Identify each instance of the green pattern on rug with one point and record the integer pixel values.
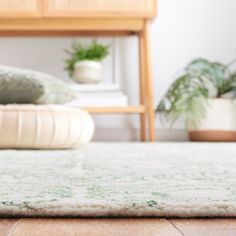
(120, 179)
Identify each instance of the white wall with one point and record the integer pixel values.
(184, 30)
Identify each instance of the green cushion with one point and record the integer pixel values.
(28, 86)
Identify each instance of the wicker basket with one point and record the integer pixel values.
(105, 8)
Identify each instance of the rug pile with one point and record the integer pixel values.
(120, 179)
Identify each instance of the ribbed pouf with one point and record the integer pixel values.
(44, 127)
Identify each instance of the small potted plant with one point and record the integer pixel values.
(204, 94)
(84, 62)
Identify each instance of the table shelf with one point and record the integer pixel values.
(109, 110)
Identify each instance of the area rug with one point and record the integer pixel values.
(121, 179)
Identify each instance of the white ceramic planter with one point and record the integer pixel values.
(88, 72)
(219, 123)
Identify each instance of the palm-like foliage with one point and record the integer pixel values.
(189, 94)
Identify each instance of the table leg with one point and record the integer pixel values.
(146, 55)
(142, 66)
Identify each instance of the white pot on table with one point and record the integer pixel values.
(88, 72)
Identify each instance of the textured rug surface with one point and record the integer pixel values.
(120, 179)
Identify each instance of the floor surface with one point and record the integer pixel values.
(117, 227)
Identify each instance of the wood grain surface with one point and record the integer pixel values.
(116, 227)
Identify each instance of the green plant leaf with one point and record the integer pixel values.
(184, 97)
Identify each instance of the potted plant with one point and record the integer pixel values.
(84, 62)
(204, 94)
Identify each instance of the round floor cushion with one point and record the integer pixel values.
(44, 127)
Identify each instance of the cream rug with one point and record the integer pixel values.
(121, 179)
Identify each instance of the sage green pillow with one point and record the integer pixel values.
(27, 86)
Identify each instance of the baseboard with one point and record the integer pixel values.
(123, 135)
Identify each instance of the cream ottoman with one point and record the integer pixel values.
(44, 127)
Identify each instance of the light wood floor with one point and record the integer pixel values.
(117, 227)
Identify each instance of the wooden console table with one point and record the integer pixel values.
(90, 18)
